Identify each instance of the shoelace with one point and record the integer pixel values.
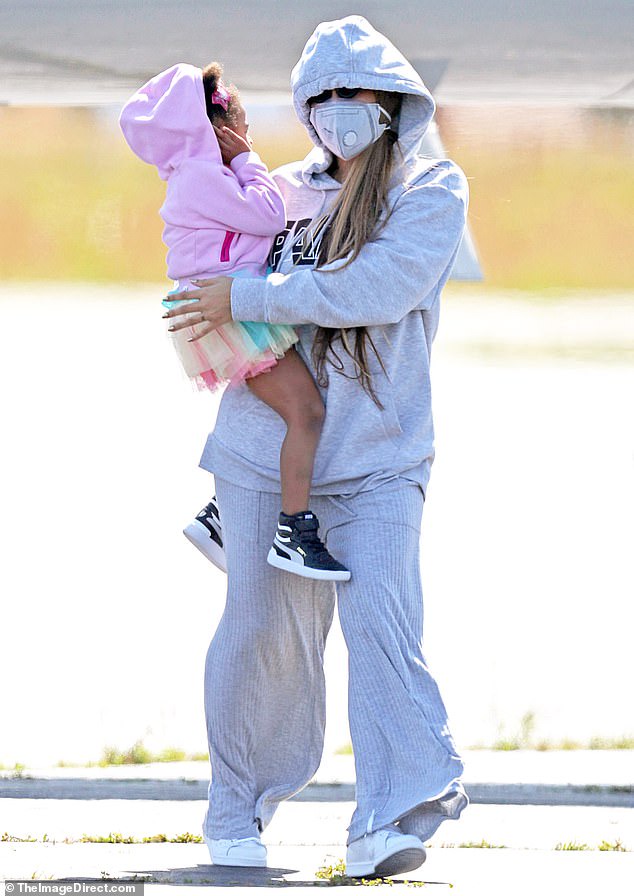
(209, 512)
(237, 841)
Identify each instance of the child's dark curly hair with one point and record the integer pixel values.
(212, 73)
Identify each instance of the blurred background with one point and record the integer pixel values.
(526, 549)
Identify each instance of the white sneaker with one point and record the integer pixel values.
(383, 853)
(247, 852)
(205, 533)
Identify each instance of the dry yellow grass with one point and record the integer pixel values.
(551, 194)
(75, 204)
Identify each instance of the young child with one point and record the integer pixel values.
(221, 212)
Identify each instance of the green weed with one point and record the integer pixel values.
(571, 845)
(524, 739)
(335, 873)
(9, 838)
(112, 837)
(116, 837)
(617, 846)
(137, 754)
(482, 844)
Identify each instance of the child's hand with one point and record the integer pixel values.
(231, 144)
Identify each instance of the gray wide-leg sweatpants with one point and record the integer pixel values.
(265, 697)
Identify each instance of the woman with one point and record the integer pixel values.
(364, 293)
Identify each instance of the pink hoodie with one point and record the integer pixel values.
(218, 218)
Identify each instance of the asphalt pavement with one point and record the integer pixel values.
(548, 51)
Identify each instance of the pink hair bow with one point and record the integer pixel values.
(221, 96)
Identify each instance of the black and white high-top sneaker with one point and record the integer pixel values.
(298, 548)
(205, 533)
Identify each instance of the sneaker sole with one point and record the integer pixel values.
(324, 575)
(400, 862)
(199, 536)
(240, 863)
(237, 861)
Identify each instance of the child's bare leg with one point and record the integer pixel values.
(290, 390)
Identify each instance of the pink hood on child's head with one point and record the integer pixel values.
(166, 120)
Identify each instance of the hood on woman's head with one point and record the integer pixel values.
(349, 52)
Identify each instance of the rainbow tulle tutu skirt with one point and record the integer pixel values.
(231, 352)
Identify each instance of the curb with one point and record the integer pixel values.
(196, 789)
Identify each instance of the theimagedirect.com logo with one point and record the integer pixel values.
(65, 888)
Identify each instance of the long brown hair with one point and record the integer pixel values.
(352, 222)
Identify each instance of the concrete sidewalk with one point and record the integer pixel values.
(491, 850)
(465, 872)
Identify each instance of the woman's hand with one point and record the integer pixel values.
(213, 304)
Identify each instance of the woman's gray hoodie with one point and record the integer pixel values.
(393, 287)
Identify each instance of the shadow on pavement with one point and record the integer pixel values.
(224, 876)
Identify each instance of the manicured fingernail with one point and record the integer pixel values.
(166, 314)
(169, 329)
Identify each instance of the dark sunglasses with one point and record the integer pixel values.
(344, 93)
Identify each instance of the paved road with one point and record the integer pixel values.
(496, 50)
(526, 553)
(492, 777)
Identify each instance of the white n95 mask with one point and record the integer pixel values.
(347, 127)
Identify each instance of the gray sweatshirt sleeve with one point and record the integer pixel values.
(400, 270)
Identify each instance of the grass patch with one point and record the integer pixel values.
(545, 210)
(544, 744)
(616, 846)
(76, 204)
(111, 837)
(480, 844)
(116, 837)
(17, 770)
(572, 846)
(551, 196)
(524, 739)
(10, 838)
(335, 875)
(608, 743)
(137, 754)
